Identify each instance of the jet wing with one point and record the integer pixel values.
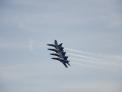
(55, 54)
(55, 50)
(61, 60)
(51, 45)
(55, 44)
(60, 48)
(58, 59)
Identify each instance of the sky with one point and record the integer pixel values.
(90, 31)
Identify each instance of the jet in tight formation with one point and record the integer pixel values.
(59, 53)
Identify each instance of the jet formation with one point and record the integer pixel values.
(59, 53)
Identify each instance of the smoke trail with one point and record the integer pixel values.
(101, 63)
(84, 53)
(92, 56)
(81, 56)
(93, 60)
(80, 52)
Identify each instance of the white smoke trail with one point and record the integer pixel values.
(89, 54)
(93, 56)
(80, 52)
(81, 56)
(91, 59)
(101, 63)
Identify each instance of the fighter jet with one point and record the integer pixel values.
(59, 53)
(62, 58)
(56, 46)
(65, 62)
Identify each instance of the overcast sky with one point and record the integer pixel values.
(93, 27)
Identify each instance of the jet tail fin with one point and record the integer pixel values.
(56, 43)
